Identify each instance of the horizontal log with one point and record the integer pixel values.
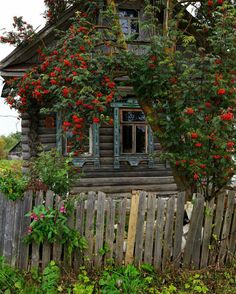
(113, 181)
(118, 173)
(159, 189)
(106, 146)
(43, 130)
(106, 139)
(47, 139)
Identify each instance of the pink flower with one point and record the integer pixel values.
(29, 230)
(63, 209)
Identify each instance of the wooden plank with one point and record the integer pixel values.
(120, 231)
(79, 225)
(178, 234)
(57, 248)
(209, 213)
(224, 240)
(47, 248)
(89, 228)
(188, 251)
(110, 223)
(161, 203)
(9, 229)
(67, 257)
(218, 221)
(149, 237)
(16, 232)
(35, 247)
(99, 228)
(24, 248)
(132, 228)
(3, 202)
(198, 239)
(232, 241)
(140, 228)
(168, 234)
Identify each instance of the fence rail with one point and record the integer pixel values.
(141, 229)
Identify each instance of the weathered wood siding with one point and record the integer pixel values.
(107, 178)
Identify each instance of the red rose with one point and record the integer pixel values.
(227, 116)
(194, 135)
(96, 120)
(208, 104)
(53, 82)
(210, 3)
(216, 156)
(67, 62)
(66, 124)
(111, 85)
(189, 110)
(198, 144)
(196, 176)
(221, 92)
(82, 48)
(65, 92)
(230, 145)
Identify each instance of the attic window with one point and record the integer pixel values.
(129, 20)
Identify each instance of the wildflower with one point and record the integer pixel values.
(62, 209)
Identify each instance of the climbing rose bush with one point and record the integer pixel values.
(188, 95)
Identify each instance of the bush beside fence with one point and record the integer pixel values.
(142, 228)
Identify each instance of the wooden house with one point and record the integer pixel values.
(119, 158)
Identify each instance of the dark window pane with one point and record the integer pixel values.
(140, 139)
(128, 13)
(134, 27)
(127, 136)
(133, 116)
(125, 26)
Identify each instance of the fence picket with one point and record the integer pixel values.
(161, 203)
(110, 223)
(89, 228)
(224, 240)
(57, 248)
(209, 212)
(178, 234)
(99, 228)
(148, 249)
(120, 231)
(219, 213)
(140, 228)
(168, 233)
(47, 248)
(132, 228)
(198, 238)
(35, 247)
(79, 225)
(9, 228)
(193, 228)
(232, 241)
(24, 248)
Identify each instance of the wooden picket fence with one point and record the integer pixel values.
(142, 228)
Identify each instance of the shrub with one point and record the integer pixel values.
(53, 170)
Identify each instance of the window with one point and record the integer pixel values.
(88, 143)
(133, 132)
(129, 20)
